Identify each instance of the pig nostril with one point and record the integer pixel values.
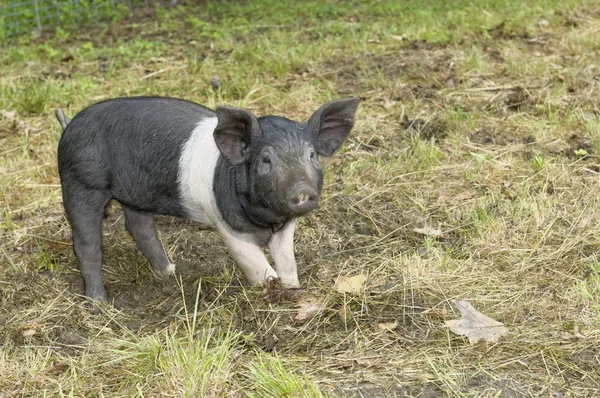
(303, 199)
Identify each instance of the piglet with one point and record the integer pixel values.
(250, 178)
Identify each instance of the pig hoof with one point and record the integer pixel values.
(168, 270)
(291, 284)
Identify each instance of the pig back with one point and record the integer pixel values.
(131, 147)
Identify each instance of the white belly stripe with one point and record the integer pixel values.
(196, 171)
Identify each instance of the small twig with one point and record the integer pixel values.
(158, 72)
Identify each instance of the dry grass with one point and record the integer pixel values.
(489, 130)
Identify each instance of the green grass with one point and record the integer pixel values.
(475, 118)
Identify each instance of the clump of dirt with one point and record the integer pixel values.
(275, 292)
(581, 144)
(427, 129)
(501, 31)
(576, 147)
(530, 139)
(518, 99)
(487, 136)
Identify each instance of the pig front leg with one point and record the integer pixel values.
(281, 246)
(249, 257)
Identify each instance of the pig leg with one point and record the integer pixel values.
(249, 257)
(281, 246)
(85, 211)
(141, 226)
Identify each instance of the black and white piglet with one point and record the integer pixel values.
(248, 177)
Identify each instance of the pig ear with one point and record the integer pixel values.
(331, 124)
(235, 129)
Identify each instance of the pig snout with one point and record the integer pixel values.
(302, 199)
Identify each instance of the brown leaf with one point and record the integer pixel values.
(475, 325)
(399, 38)
(9, 115)
(387, 326)
(388, 103)
(308, 306)
(29, 332)
(454, 199)
(429, 231)
(58, 368)
(350, 284)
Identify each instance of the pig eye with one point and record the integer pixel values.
(266, 159)
(313, 155)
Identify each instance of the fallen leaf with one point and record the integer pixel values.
(429, 231)
(387, 326)
(388, 103)
(350, 284)
(68, 58)
(28, 332)
(399, 38)
(58, 368)
(453, 199)
(475, 325)
(366, 361)
(308, 306)
(8, 114)
(544, 22)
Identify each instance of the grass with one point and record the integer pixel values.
(480, 119)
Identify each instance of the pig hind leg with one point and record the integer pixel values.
(141, 226)
(85, 211)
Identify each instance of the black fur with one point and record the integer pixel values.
(248, 201)
(130, 148)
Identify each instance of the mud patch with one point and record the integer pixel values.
(519, 99)
(501, 31)
(422, 68)
(487, 136)
(577, 146)
(426, 129)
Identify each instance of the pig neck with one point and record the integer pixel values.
(254, 211)
(238, 209)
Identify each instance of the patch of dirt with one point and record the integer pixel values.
(426, 129)
(518, 99)
(577, 146)
(422, 68)
(501, 31)
(487, 136)
(372, 391)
